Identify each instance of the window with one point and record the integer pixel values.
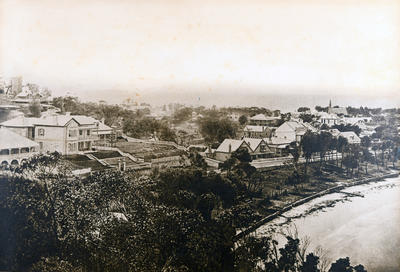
(5, 152)
(25, 150)
(88, 132)
(80, 132)
(41, 131)
(72, 133)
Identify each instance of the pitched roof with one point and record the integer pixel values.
(294, 125)
(299, 127)
(351, 136)
(20, 121)
(254, 128)
(348, 134)
(253, 142)
(10, 139)
(51, 120)
(276, 141)
(263, 117)
(103, 126)
(235, 144)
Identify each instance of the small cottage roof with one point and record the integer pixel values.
(234, 145)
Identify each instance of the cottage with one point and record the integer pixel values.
(256, 131)
(228, 146)
(292, 131)
(259, 148)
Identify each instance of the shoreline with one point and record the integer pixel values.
(301, 201)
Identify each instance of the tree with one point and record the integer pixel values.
(319, 109)
(35, 108)
(242, 120)
(311, 264)
(343, 265)
(308, 147)
(342, 144)
(217, 130)
(303, 109)
(307, 118)
(323, 144)
(182, 115)
(167, 134)
(197, 160)
(375, 147)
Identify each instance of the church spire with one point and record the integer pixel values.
(330, 104)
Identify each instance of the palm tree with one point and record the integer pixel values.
(307, 146)
(375, 148)
(342, 144)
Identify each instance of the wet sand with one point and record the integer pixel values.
(367, 229)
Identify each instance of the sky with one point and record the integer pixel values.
(219, 52)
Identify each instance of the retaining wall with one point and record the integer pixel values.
(306, 199)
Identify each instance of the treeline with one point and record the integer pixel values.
(363, 111)
(354, 156)
(173, 220)
(134, 123)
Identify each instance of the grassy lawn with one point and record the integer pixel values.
(106, 154)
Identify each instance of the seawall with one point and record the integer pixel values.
(299, 202)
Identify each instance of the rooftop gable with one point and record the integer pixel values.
(263, 117)
(234, 144)
(51, 120)
(253, 142)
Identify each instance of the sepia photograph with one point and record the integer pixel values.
(199, 135)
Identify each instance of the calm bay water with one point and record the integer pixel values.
(366, 229)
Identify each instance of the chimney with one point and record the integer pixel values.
(230, 148)
(67, 113)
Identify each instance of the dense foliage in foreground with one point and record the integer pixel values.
(175, 220)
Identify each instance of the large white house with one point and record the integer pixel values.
(292, 131)
(15, 148)
(66, 134)
(329, 119)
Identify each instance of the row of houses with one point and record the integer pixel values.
(277, 143)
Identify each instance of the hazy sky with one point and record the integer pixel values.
(235, 48)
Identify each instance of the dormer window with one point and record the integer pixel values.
(41, 131)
